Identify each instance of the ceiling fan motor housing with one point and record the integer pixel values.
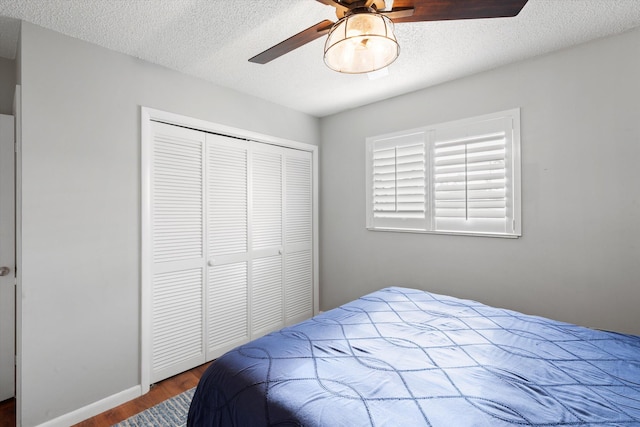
(353, 6)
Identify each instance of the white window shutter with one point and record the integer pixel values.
(461, 177)
(472, 190)
(396, 178)
(177, 247)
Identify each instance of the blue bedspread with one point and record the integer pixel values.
(404, 357)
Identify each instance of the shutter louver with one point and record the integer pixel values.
(177, 317)
(177, 197)
(227, 307)
(227, 198)
(299, 201)
(267, 200)
(399, 182)
(299, 286)
(470, 177)
(267, 303)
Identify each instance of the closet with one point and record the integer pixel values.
(230, 242)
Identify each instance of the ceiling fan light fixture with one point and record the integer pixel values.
(361, 42)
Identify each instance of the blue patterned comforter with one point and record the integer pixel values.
(404, 357)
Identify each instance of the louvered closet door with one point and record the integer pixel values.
(267, 292)
(227, 237)
(231, 252)
(298, 255)
(177, 268)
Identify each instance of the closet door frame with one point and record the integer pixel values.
(149, 115)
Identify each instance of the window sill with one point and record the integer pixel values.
(449, 233)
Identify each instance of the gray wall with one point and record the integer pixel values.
(81, 208)
(7, 85)
(578, 259)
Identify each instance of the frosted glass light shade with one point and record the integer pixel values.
(361, 43)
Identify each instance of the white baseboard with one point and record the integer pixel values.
(94, 408)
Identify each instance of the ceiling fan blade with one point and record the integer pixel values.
(443, 10)
(399, 12)
(294, 42)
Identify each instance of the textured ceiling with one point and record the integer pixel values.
(212, 40)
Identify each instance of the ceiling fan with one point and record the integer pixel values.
(362, 40)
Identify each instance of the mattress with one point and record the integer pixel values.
(405, 357)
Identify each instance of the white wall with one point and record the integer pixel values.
(578, 259)
(7, 85)
(81, 208)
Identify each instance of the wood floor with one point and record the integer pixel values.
(8, 413)
(158, 393)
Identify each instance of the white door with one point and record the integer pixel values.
(298, 239)
(229, 247)
(177, 245)
(267, 293)
(7, 258)
(227, 243)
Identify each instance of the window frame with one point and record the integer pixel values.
(429, 136)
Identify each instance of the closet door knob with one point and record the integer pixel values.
(4, 271)
(211, 262)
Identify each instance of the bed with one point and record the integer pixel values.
(405, 357)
